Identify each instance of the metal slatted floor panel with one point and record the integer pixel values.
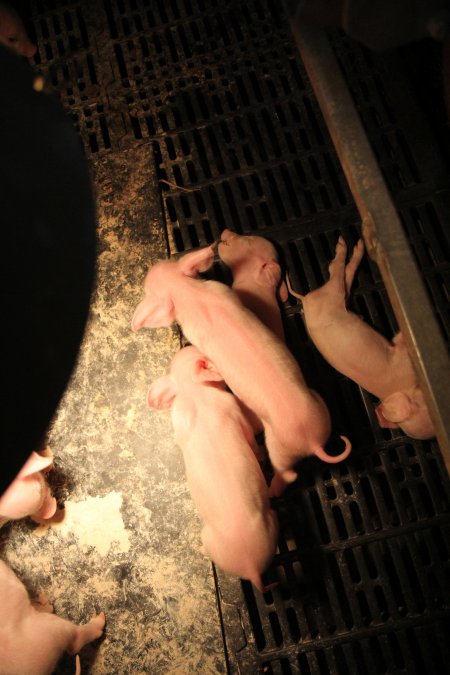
(219, 93)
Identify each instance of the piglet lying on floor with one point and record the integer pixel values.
(257, 281)
(226, 483)
(358, 351)
(32, 639)
(255, 364)
(29, 493)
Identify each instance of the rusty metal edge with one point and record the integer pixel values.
(383, 231)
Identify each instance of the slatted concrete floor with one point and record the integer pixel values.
(195, 117)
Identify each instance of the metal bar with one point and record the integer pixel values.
(383, 232)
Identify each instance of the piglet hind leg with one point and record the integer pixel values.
(334, 293)
(77, 636)
(349, 344)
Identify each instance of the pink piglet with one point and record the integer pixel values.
(225, 480)
(383, 367)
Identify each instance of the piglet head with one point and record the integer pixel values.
(252, 257)
(234, 247)
(189, 365)
(189, 368)
(158, 308)
(407, 411)
(236, 250)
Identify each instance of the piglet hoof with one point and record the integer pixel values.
(276, 491)
(280, 481)
(338, 263)
(87, 633)
(49, 507)
(270, 587)
(41, 604)
(57, 516)
(202, 550)
(276, 487)
(97, 623)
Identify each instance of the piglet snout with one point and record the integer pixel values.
(226, 236)
(29, 494)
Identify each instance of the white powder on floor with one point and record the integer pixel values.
(95, 521)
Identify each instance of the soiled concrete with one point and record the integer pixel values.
(128, 544)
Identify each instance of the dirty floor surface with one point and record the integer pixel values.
(128, 544)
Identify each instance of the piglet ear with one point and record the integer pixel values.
(152, 313)
(205, 371)
(269, 274)
(395, 409)
(161, 393)
(191, 264)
